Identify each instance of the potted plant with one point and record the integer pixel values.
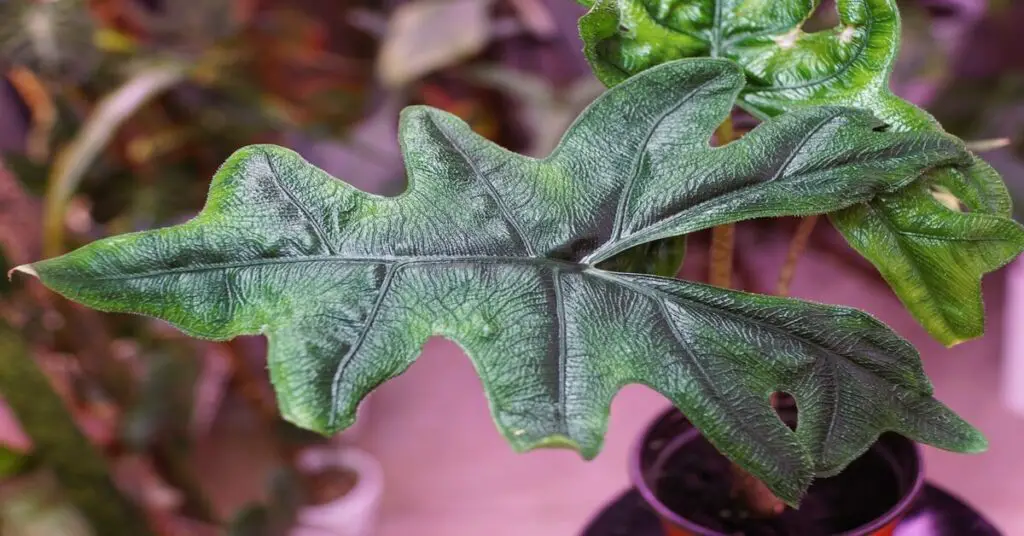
(535, 266)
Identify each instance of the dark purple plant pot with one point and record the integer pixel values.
(884, 483)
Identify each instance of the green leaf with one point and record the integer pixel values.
(499, 252)
(910, 223)
(849, 65)
(12, 462)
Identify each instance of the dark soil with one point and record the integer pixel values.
(696, 483)
(328, 485)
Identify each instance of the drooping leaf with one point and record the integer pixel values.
(904, 224)
(849, 65)
(499, 252)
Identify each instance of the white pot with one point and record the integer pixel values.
(1013, 338)
(354, 514)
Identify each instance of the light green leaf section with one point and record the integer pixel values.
(499, 253)
(902, 224)
(849, 65)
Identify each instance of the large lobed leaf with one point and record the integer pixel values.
(849, 65)
(499, 253)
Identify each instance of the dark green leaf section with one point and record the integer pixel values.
(500, 253)
(850, 65)
(662, 257)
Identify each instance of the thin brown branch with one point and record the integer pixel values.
(723, 243)
(723, 237)
(797, 247)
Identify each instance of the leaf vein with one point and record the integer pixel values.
(562, 350)
(627, 189)
(506, 213)
(344, 362)
(317, 228)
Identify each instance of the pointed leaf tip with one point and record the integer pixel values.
(25, 269)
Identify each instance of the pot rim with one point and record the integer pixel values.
(636, 476)
(369, 484)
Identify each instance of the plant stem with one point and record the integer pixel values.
(797, 246)
(723, 237)
(78, 466)
(723, 242)
(748, 489)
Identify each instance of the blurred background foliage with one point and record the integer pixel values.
(114, 115)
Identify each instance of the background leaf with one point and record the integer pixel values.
(53, 38)
(850, 64)
(12, 462)
(425, 36)
(497, 252)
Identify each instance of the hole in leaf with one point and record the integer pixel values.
(785, 407)
(947, 198)
(825, 17)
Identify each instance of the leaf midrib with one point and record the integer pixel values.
(397, 262)
(627, 189)
(317, 227)
(419, 259)
(619, 244)
(506, 213)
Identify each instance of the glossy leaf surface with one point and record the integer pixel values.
(849, 65)
(499, 253)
